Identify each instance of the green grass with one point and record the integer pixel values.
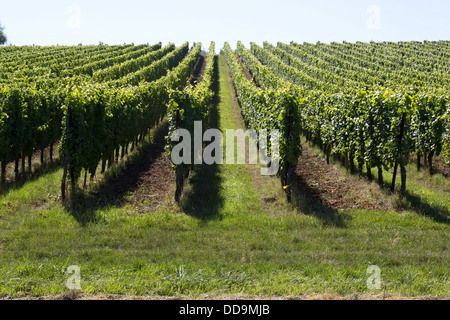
(232, 242)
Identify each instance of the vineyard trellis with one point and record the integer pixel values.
(370, 105)
(93, 108)
(375, 117)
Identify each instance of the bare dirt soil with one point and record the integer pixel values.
(326, 184)
(155, 185)
(152, 177)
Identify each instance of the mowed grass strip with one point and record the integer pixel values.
(237, 245)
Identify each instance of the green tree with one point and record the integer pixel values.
(3, 38)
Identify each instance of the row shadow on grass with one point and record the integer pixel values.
(437, 213)
(202, 198)
(420, 206)
(38, 171)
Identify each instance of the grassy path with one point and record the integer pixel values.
(240, 195)
(224, 240)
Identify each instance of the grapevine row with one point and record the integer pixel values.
(378, 127)
(269, 109)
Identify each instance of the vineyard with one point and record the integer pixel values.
(376, 110)
(369, 103)
(92, 108)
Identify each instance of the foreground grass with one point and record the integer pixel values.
(238, 244)
(168, 253)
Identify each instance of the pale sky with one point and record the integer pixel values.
(70, 22)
